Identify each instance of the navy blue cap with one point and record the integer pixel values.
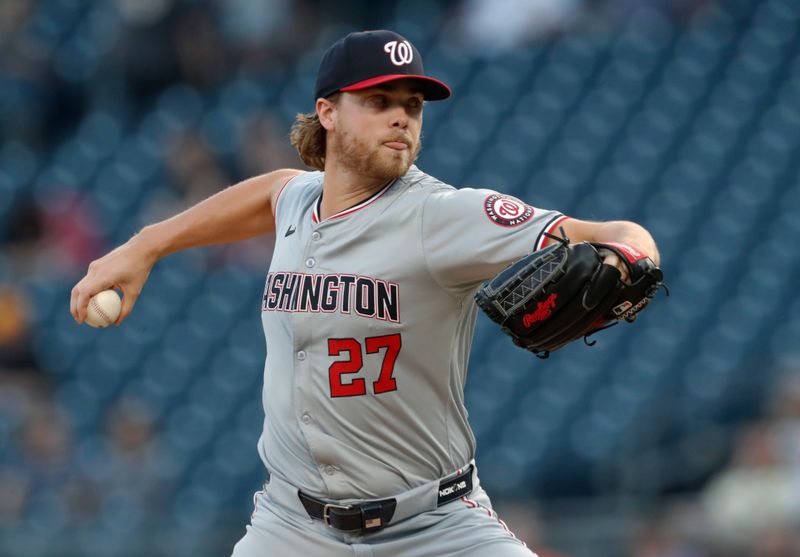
(368, 58)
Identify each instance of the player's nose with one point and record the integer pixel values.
(399, 118)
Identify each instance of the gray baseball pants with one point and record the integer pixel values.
(466, 527)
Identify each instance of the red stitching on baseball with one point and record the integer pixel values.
(98, 309)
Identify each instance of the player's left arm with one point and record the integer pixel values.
(617, 231)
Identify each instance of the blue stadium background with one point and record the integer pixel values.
(683, 116)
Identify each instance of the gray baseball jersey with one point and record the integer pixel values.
(368, 317)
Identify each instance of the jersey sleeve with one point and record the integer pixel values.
(280, 194)
(297, 193)
(470, 235)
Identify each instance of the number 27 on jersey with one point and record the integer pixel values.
(388, 344)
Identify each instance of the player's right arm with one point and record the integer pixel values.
(242, 211)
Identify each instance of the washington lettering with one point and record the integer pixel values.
(364, 296)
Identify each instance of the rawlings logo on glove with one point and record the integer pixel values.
(542, 312)
(565, 292)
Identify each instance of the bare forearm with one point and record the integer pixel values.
(626, 232)
(237, 213)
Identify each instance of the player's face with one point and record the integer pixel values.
(377, 130)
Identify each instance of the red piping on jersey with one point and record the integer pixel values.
(277, 198)
(255, 500)
(476, 505)
(550, 230)
(374, 197)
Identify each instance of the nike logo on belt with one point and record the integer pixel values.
(290, 231)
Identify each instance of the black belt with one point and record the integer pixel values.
(373, 515)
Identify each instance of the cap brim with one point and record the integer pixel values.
(432, 89)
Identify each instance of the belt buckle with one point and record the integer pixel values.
(326, 516)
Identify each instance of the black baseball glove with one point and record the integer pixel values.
(565, 292)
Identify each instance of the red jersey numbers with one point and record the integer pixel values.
(341, 385)
(506, 210)
(352, 364)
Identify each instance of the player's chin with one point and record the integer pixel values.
(394, 165)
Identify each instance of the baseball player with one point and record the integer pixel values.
(368, 314)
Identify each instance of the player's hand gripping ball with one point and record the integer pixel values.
(104, 308)
(566, 292)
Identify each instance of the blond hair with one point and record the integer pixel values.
(308, 136)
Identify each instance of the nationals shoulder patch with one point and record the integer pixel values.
(506, 210)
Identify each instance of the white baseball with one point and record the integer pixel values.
(104, 308)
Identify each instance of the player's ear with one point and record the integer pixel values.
(325, 112)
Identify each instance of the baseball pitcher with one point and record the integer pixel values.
(368, 311)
